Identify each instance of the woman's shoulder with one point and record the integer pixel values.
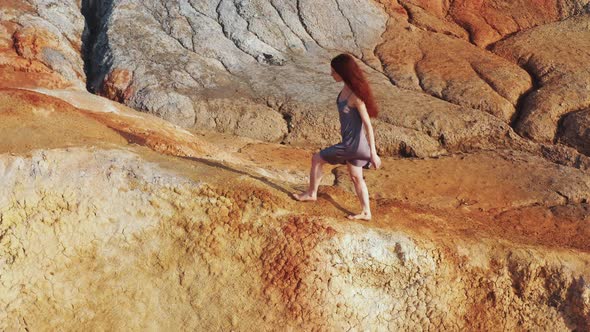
(355, 101)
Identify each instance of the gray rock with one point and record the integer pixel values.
(169, 106)
(205, 50)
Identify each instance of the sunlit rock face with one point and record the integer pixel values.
(231, 66)
(114, 219)
(561, 71)
(261, 69)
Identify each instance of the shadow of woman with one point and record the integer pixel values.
(264, 180)
(329, 198)
(237, 171)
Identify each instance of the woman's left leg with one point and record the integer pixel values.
(315, 177)
(356, 175)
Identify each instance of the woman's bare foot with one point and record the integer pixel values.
(360, 216)
(305, 197)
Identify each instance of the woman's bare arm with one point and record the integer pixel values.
(360, 105)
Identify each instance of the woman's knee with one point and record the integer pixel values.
(356, 178)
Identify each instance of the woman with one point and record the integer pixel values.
(355, 106)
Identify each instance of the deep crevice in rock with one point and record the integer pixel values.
(281, 15)
(95, 14)
(521, 103)
(304, 25)
(349, 26)
(490, 82)
(288, 117)
(89, 37)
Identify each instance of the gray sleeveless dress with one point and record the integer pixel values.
(354, 147)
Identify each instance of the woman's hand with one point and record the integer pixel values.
(375, 160)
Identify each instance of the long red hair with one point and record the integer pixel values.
(345, 65)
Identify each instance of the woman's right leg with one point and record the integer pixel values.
(360, 187)
(315, 176)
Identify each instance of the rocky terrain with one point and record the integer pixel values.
(160, 198)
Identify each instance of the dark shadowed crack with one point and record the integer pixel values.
(491, 46)
(89, 36)
(482, 75)
(191, 49)
(272, 3)
(227, 33)
(96, 13)
(380, 43)
(349, 26)
(491, 26)
(521, 103)
(305, 25)
(417, 72)
(288, 117)
(267, 58)
(565, 197)
(411, 20)
(190, 3)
